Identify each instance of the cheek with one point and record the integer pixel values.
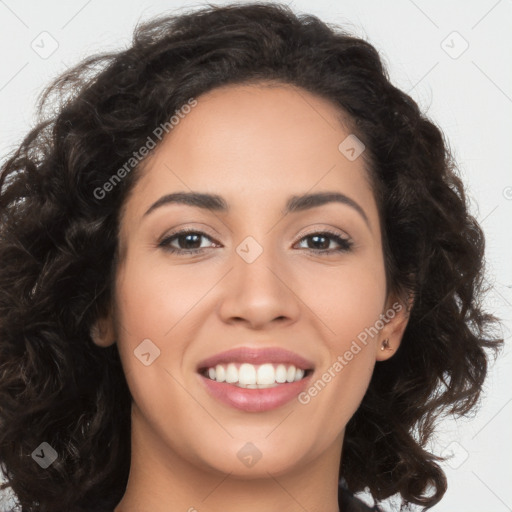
(349, 303)
(348, 299)
(149, 308)
(159, 303)
(153, 299)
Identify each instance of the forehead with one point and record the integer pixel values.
(267, 122)
(255, 145)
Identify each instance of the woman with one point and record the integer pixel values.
(238, 272)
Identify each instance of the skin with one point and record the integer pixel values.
(254, 145)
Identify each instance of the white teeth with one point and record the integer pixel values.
(231, 374)
(247, 374)
(251, 376)
(281, 373)
(265, 374)
(220, 373)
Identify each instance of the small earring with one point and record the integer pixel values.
(385, 345)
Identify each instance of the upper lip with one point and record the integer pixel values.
(256, 356)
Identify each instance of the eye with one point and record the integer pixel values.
(319, 238)
(190, 237)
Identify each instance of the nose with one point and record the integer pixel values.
(260, 292)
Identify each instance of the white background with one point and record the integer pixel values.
(469, 97)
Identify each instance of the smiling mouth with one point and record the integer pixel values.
(249, 376)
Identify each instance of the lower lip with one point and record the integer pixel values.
(255, 400)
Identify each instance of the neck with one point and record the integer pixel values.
(161, 480)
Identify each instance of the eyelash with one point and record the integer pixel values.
(345, 244)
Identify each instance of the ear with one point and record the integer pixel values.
(103, 332)
(395, 318)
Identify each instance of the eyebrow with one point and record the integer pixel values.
(294, 204)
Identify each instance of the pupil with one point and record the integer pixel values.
(188, 237)
(316, 237)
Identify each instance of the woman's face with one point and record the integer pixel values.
(264, 275)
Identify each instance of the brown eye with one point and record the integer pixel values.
(319, 242)
(189, 242)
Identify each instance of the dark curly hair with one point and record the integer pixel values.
(59, 251)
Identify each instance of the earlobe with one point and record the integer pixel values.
(102, 332)
(390, 337)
